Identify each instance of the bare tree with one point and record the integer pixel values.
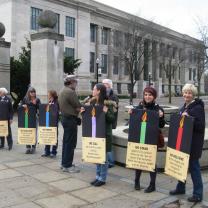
(170, 64)
(202, 54)
(132, 51)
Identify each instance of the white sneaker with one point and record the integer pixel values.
(72, 169)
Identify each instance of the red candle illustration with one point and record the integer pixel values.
(180, 134)
(143, 128)
(93, 123)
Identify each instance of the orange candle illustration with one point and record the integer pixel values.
(143, 128)
(180, 134)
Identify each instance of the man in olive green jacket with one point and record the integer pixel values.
(69, 107)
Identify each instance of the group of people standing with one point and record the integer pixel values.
(70, 107)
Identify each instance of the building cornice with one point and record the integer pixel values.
(121, 17)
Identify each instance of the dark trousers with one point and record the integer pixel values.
(9, 137)
(194, 169)
(69, 140)
(152, 176)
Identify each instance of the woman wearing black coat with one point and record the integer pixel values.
(193, 107)
(148, 103)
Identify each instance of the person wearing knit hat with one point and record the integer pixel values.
(149, 103)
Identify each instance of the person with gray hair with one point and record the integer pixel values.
(111, 96)
(193, 107)
(6, 101)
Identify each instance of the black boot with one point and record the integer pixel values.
(137, 185)
(150, 188)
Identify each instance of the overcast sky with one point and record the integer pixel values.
(179, 15)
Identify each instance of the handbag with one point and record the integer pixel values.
(161, 140)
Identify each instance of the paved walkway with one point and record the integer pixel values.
(29, 181)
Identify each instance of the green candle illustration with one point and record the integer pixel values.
(143, 128)
(26, 117)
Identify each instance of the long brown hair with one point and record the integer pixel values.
(53, 94)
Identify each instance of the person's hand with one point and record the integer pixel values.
(105, 109)
(82, 109)
(130, 111)
(185, 114)
(161, 113)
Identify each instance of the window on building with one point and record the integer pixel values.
(179, 73)
(104, 63)
(119, 88)
(115, 65)
(69, 52)
(93, 33)
(194, 75)
(126, 70)
(35, 12)
(57, 26)
(104, 36)
(117, 38)
(190, 56)
(92, 62)
(190, 74)
(160, 70)
(70, 27)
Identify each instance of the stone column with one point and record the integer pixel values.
(4, 60)
(110, 55)
(47, 54)
(150, 51)
(177, 67)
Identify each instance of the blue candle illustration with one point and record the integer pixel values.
(47, 116)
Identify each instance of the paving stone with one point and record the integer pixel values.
(50, 176)
(3, 167)
(9, 198)
(154, 196)
(94, 194)
(32, 170)
(52, 165)
(38, 192)
(26, 205)
(70, 184)
(61, 201)
(120, 201)
(119, 186)
(18, 182)
(19, 164)
(9, 173)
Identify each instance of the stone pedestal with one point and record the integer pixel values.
(47, 54)
(5, 64)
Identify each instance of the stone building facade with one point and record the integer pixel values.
(91, 29)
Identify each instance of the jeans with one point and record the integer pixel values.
(9, 137)
(110, 158)
(69, 124)
(194, 169)
(102, 171)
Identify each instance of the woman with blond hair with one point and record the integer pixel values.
(193, 107)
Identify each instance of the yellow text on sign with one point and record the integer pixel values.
(141, 156)
(4, 128)
(94, 150)
(47, 135)
(176, 164)
(27, 136)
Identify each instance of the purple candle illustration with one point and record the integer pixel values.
(93, 122)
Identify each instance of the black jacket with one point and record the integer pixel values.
(112, 96)
(196, 110)
(155, 107)
(28, 102)
(6, 100)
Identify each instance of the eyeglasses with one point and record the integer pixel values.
(32, 92)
